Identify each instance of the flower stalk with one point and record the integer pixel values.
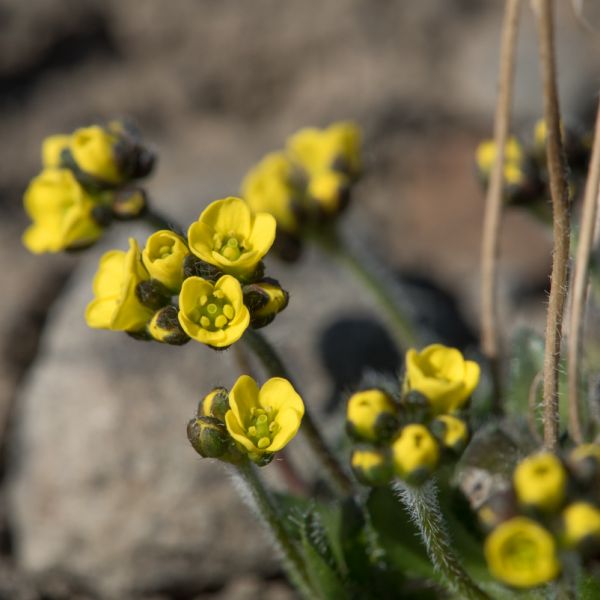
(276, 368)
(560, 211)
(259, 499)
(579, 285)
(493, 207)
(375, 280)
(424, 510)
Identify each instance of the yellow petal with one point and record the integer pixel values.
(227, 216)
(279, 393)
(110, 274)
(263, 234)
(243, 396)
(289, 421)
(238, 433)
(232, 289)
(99, 312)
(52, 147)
(200, 239)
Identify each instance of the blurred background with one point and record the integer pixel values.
(101, 495)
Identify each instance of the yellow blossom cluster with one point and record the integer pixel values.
(551, 508)
(247, 421)
(407, 434)
(87, 179)
(209, 286)
(308, 183)
(525, 172)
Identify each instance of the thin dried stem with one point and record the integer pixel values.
(493, 207)
(532, 405)
(560, 213)
(579, 285)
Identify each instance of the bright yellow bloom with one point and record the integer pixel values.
(93, 150)
(230, 237)
(581, 521)
(52, 148)
(328, 188)
(540, 481)
(163, 256)
(521, 553)
(116, 305)
(61, 211)
(442, 375)
(414, 451)
(485, 155)
(336, 147)
(278, 300)
(367, 412)
(268, 188)
(584, 451)
(263, 421)
(454, 431)
(371, 466)
(213, 314)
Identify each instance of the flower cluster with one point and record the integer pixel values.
(307, 184)
(407, 434)
(209, 287)
(551, 508)
(88, 178)
(525, 170)
(247, 421)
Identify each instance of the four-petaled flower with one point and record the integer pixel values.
(163, 256)
(228, 235)
(263, 421)
(213, 314)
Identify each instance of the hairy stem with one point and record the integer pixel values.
(579, 285)
(424, 510)
(493, 205)
(255, 494)
(276, 368)
(375, 280)
(560, 214)
(159, 220)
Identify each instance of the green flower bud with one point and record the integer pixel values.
(415, 407)
(129, 203)
(194, 267)
(214, 404)
(210, 439)
(152, 293)
(265, 299)
(371, 466)
(415, 453)
(451, 431)
(165, 327)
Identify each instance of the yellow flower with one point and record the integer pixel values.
(61, 211)
(213, 314)
(415, 452)
(442, 375)
(267, 188)
(584, 451)
(581, 521)
(93, 150)
(540, 481)
(370, 414)
(371, 466)
(116, 304)
(163, 256)
(336, 147)
(454, 432)
(328, 189)
(521, 553)
(263, 421)
(52, 148)
(485, 155)
(230, 237)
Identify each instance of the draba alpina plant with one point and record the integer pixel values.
(442, 487)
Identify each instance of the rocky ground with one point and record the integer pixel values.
(101, 495)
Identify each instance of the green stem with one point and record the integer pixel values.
(254, 493)
(159, 220)
(424, 510)
(373, 277)
(275, 368)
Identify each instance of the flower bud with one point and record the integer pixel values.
(581, 525)
(584, 462)
(129, 203)
(52, 149)
(92, 150)
(164, 256)
(194, 267)
(165, 327)
(451, 431)
(267, 298)
(215, 404)
(330, 190)
(371, 416)
(540, 481)
(209, 437)
(498, 508)
(152, 293)
(415, 453)
(414, 408)
(371, 467)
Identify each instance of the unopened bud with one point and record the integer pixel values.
(371, 416)
(582, 526)
(265, 299)
(415, 407)
(214, 404)
(209, 437)
(152, 293)
(194, 267)
(371, 466)
(451, 431)
(165, 327)
(129, 203)
(415, 453)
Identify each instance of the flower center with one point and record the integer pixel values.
(228, 246)
(262, 426)
(522, 553)
(213, 312)
(165, 250)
